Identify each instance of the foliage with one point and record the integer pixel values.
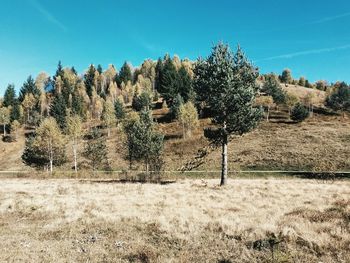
(175, 106)
(10, 96)
(286, 77)
(47, 147)
(339, 99)
(119, 109)
(96, 150)
(142, 101)
(29, 87)
(125, 74)
(143, 142)
(15, 126)
(229, 83)
(4, 118)
(272, 88)
(108, 115)
(299, 112)
(188, 117)
(58, 110)
(89, 79)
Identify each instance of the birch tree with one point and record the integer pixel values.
(4, 118)
(108, 116)
(188, 118)
(74, 131)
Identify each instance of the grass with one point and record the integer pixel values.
(261, 220)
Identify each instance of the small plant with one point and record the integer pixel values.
(299, 113)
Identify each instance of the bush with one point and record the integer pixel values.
(299, 113)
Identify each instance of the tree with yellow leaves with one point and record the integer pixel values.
(28, 104)
(188, 117)
(4, 118)
(74, 131)
(108, 115)
(15, 125)
(266, 102)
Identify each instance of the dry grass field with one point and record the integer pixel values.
(262, 220)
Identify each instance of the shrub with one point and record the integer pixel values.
(299, 112)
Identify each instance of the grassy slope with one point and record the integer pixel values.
(278, 144)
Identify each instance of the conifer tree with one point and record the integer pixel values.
(89, 79)
(125, 74)
(29, 87)
(119, 110)
(158, 75)
(58, 110)
(185, 85)
(96, 150)
(170, 81)
(286, 76)
(230, 80)
(143, 142)
(9, 96)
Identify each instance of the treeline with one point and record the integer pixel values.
(72, 107)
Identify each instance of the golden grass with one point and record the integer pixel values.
(188, 221)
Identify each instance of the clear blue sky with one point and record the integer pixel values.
(310, 37)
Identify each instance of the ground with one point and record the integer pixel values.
(250, 220)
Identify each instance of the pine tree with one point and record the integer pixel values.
(185, 85)
(142, 101)
(59, 71)
(9, 96)
(108, 115)
(89, 79)
(125, 74)
(144, 143)
(339, 99)
(77, 104)
(175, 107)
(170, 81)
(16, 113)
(299, 112)
(272, 88)
(286, 77)
(119, 110)
(158, 75)
(96, 150)
(302, 82)
(29, 87)
(74, 131)
(230, 81)
(99, 69)
(58, 110)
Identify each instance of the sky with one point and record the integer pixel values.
(312, 38)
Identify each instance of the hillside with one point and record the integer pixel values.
(278, 144)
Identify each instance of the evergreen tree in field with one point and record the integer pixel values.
(302, 82)
(230, 82)
(272, 88)
(339, 99)
(185, 85)
(125, 74)
(9, 96)
(286, 77)
(29, 87)
(299, 112)
(143, 142)
(119, 110)
(58, 110)
(96, 150)
(89, 78)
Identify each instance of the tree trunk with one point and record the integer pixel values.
(75, 158)
(224, 158)
(51, 166)
(268, 114)
(4, 130)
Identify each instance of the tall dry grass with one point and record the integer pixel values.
(190, 221)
